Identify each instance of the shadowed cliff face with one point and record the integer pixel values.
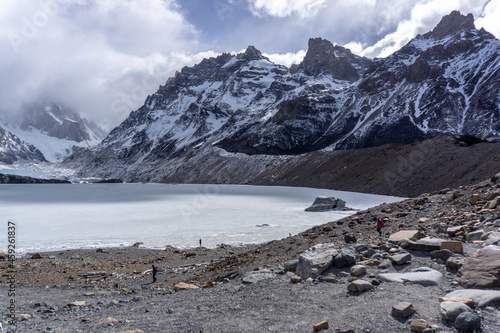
(445, 81)
(13, 150)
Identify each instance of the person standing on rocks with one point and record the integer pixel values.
(379, 225)
(155, 270)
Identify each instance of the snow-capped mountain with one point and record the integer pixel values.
(55, 130)
(14, 150)
(445, 81)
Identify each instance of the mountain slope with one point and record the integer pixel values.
(442, 82)
(55, 130)
(14, 150)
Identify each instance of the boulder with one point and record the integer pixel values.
(474, 235)
(400, 259)
(444, 254)
(455, 263)
(256, 276)
(184, 286)
(321, 326)
(468, 322)
(322, 204)
(481, 297)
(425, 244)
(402, 310)
(453, 246)
(452, 231)
(493, 238)
(418, 325)
(451, 310)
(403, 234)
(291, 266)
(39, 255)
(492, 204)
(359, 286)
(467, 301)
(358, 270)
(316, 260)
(423, 276)
(345, 258)
(107, 321)
(350, 238)
(482, 270)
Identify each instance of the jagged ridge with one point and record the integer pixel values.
(442, 82)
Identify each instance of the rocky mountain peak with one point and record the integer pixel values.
(323, 57)
(251, 53)
(453, 23)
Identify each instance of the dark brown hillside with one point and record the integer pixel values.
(395, 169)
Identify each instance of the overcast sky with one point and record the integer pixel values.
(103, 57)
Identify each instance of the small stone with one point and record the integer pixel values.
(331, 279)
(184, 286)
(39, 255)
(444, 255)
(359, 286)
(474, 199)
(321, 326)
(132, 331)
(474, 235)
(370, 262)
(468, 322)
(3, 256)
(466, 301)
(295, 278)
(418, 325)
(350, 238)
(209, 284)
(453, 246)
(77, 303)
(108, 321)
(400, 259)
(358, 270)
(85, 319)
(455, 263)
(23, 317)
(89, 293)
(403, 310)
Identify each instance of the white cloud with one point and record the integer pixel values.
(89, 53)
(284, 8)
(489, 18)
(424, 17)
(287, 59)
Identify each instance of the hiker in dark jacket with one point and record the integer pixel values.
(379, 226)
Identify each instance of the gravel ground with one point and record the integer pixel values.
(123, 290)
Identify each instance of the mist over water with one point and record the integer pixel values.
(54, 217)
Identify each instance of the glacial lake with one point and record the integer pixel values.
(56, 217)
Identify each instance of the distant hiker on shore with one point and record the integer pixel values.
(155, 270)
(200, 242)
(379, 225)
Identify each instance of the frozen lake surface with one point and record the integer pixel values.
(53, 217)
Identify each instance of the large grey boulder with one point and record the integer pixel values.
(256, 276)
(468, 322)
(426, 244)
(482, 270)
(451, 310)
(322, 204)
(481, 297)
(423, 276)
(345, 258)
(316, 260)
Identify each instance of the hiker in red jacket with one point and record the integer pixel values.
(379, 225)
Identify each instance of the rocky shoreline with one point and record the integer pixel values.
(337, 277)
